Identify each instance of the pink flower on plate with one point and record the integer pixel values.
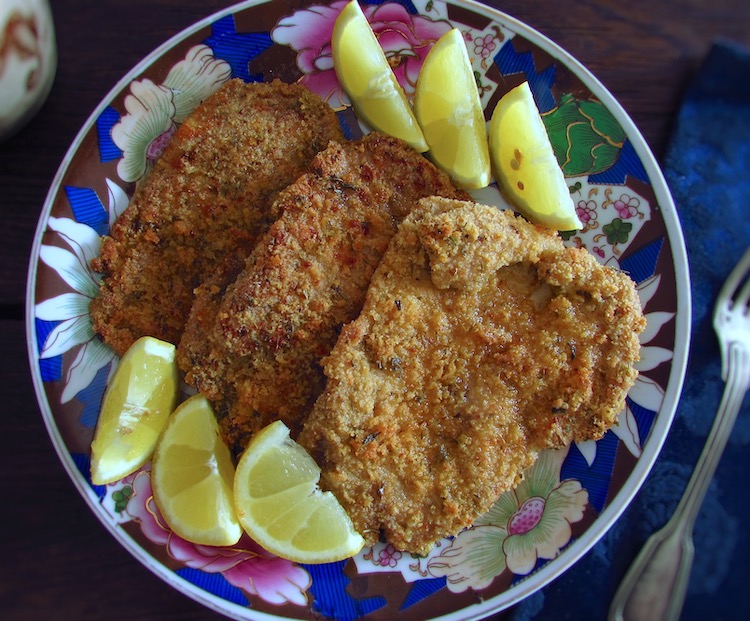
(388, 556)
(245, 565)
(586, 211)
(484, 46)
(627, 206)
(526, 524)
(405, 38)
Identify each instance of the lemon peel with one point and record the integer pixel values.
(136, 405)
(525, 165)
(449, 110)
(367, 78)
(192, 477)
(281, 507)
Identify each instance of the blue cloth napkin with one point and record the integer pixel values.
(707, 168)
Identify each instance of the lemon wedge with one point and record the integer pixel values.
(366, 76)
(192, 475)
(450, 113)
(525, 165)
(136, 405)
(281, 507)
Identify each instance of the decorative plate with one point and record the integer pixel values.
(567, 501)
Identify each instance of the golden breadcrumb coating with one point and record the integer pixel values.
(209, 194)
(254, 343)
(483, 340)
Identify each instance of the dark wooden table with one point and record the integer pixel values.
(58, 562)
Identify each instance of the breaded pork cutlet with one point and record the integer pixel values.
(306, 277)
(209, 194)
(482, 341)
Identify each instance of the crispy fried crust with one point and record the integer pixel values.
(482, 341)
(208, 195)
(255, 343)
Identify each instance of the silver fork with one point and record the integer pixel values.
(655, 585)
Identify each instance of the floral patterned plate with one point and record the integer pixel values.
(568, 499)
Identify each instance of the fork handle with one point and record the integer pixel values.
(738, 379)
(654, 587)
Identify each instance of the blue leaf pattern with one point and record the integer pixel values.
(422, 589)
(87, 208)
(628, 164)
(214, 583)
(50, 368)
(237, 49)
(511, 62)
(331, 597)
(595, 479)
(108, 150)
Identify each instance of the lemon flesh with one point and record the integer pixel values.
(450, 113)
(525, 165)
(136, 405)
(192, 476)
(367, 77)
(281, 507)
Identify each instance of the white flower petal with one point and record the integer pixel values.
(626, 429)
(654, 323)
(588, 450)
(69, 268)
(647, 288)
(652, 357)
(91, 357)
(647, 393)
(67, 335)
(62, 307)
(472, 560)
(150, 111)
(118, 201)
(195, 78)
(83, 240)
(74, 268)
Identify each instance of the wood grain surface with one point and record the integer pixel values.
(58, 561)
